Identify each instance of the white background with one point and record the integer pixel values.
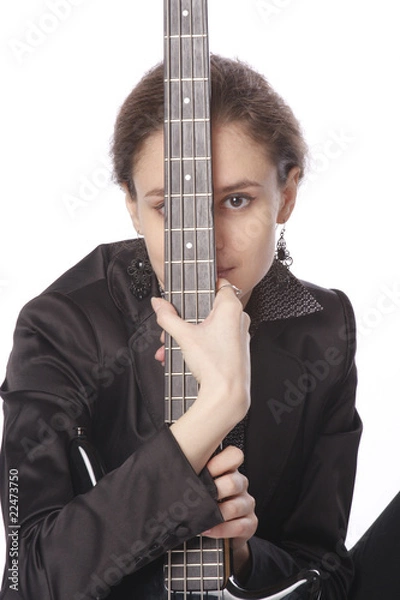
(335, 62)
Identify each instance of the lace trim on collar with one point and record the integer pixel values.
(280, 295)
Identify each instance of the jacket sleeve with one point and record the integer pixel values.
(315, 531)
(149, 504)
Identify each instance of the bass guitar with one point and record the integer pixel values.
(200, 568)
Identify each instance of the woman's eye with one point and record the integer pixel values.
(237, 201)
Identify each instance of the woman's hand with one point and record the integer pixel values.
(217, 353)
(217, 350)
(236, 505)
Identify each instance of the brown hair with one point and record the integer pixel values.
(238, 94)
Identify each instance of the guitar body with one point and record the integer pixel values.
(302, 586)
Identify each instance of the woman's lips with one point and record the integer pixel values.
(224, 272)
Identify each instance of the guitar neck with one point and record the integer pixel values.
(189, 228)
(199, 565)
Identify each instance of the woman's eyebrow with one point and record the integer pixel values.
(238, 185)
(155, 192)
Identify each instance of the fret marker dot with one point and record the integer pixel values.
(185, 13)
(189, 245)
(186, 100)
(188, 177)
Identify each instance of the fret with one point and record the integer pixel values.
(191, 229)
(197, 120)
(183, 79)
(184, 195)
(194, 292)
(194, 262)
(172, 374)
(178, 574)
(183, 229)
(198, 261)
(184, 158)
(176, 401)
(193, 554)
(186, 35)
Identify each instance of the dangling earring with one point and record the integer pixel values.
(282, 253)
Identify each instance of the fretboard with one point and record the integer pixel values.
(189, 230)
(199, 565)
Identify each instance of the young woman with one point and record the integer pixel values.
(274, 360)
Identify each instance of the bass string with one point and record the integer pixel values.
(167, 237)
(187, 183)
(206, 88)
(204, 73)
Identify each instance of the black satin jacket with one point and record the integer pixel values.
(84, 356)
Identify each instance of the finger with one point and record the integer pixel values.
(231, 485)
(243, 528)
(227, 291)
(227, 285)
(167, 317)
(161, 306)
(237, 507)
(230, 306)
(238, 291)
(160, 355)
(229, 459)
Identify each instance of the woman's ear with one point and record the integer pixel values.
(289, 195)
(132, 206)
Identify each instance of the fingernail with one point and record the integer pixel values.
(156, 303)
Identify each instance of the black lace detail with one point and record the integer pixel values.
(141, 272)
(279, 295)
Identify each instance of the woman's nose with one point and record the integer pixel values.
(219, 242)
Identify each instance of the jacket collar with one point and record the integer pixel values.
(280, 295)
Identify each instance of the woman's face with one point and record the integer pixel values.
(248, 203)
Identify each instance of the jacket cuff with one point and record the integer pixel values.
(269, 564)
